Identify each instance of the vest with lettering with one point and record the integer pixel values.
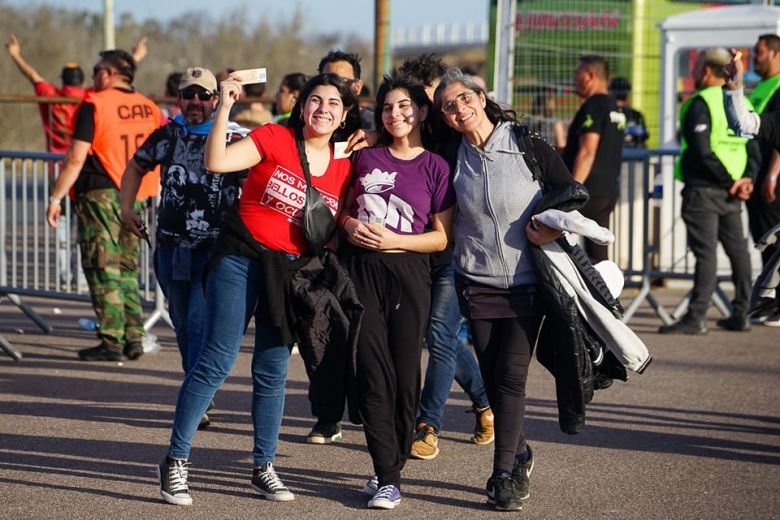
(726, 146)
(763, 93)
(123, 121)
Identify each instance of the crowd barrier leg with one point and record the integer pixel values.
(159, 312)
(9, 349)
(36, 318)
(646, 293)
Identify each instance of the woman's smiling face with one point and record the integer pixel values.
(400, 115)
(323, 111)
(464, 109)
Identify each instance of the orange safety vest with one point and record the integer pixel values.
(123, 121)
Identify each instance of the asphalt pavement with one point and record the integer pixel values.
(697, 436)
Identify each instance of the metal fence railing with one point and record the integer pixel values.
(37, 260)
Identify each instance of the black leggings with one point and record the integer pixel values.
(504, 348)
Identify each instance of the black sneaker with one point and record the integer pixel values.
(687, 325)
(101, 353)
(173, 481)
(736, 323)
(521, 473)
(504, 492)
(134, 350)
(266, 482)
(324, 433)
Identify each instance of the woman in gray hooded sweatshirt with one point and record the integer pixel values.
(496, 194)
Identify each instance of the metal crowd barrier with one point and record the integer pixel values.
(36, 260)
(650, 236)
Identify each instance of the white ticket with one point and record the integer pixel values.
(339, 150)
(249, 76)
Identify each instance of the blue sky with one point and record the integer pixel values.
(355, 16)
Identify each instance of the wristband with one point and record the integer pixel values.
(55, 200)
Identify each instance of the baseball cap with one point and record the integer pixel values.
(200, 77)
(716, 56)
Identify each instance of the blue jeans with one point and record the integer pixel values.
(179, 273)
(233, 292)
(449, 357)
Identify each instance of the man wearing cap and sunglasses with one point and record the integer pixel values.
(192, 204)
(111, 123)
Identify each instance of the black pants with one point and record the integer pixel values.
(711, 215)
(598, 209)
(504, 348)
(762, 218)
(395, 289)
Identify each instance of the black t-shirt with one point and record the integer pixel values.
(765, 148)
(598, 114)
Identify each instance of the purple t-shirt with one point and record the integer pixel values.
(401, 194)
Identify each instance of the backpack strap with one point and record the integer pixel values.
(526, 146)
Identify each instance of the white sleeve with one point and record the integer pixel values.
(744, 122)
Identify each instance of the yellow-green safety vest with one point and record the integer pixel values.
(725, 144)
(763, 92)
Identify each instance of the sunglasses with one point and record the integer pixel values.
(203, 95)
(97, 68)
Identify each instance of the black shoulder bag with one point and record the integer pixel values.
(318, 221)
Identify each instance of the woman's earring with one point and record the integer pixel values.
(343, 124)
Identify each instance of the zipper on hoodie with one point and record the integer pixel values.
(493, 216)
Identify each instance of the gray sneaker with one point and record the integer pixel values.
(266, 482)
(173, 481)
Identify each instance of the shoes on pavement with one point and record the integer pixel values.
(386, 497)
(371, 486)
(483, 430)
(686, 325)
(735, 322)
(425, 445)
(773, 320)
(204, 422)
(504, 492)
(173, 481)
(134, 350)
(101, 353)
(324, 433)
(266, 482)
(521, 473)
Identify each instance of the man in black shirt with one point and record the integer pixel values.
(594, 145)
(636, 133)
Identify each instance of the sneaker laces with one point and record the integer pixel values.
(270, 479)
(177, 476)
(385, 492)
(422, 433)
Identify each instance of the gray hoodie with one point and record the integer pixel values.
(496, 195)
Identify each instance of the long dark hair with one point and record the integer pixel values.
(351, 123)
(494, 111)
(399, 80)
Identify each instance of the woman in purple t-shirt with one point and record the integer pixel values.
(400, 208)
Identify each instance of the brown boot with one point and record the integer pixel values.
(483, 430)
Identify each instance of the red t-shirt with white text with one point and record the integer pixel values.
(273, 196)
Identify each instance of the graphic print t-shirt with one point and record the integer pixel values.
(272, 199)
(399, 193)
(193, 201)
(598, 114)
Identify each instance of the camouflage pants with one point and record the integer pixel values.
(109, 255)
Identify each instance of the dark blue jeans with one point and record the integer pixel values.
(233, 292)
(179, 273)
(449, 357)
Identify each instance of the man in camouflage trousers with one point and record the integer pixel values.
(111, 123)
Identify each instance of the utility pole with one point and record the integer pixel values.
(109, 39)
(383, 51)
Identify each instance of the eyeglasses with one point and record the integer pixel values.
(203, 95)
(464, 98)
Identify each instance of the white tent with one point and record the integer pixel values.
(717, 27)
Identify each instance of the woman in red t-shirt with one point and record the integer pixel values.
(270, 226)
